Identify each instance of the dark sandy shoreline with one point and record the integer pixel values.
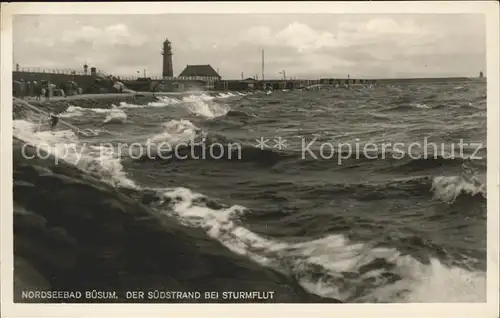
(75, 233)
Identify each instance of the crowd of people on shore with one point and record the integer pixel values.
(35, 89)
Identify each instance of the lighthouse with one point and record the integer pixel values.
(167, 59)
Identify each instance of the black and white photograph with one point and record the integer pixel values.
(251, 157)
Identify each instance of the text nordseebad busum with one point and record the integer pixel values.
(149, 295)
(67, 295)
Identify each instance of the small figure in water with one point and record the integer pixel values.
(154, 89)
(53, 121)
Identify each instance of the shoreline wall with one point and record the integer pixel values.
(84, 81)
(90, 84)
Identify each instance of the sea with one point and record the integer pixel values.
(367, 194)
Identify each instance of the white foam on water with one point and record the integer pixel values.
(439, 283)
(116, 115)
(105, 161)
(127, 105)
(174, 132)
(101, 161)
(72, 111)
(103, 110)
(419, 105)
(342, 266)
(225, 95)
(77, 111)
(203, 96)
(163, 101)
(447, 189)
(200, 105)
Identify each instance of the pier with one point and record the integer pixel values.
(193, 78)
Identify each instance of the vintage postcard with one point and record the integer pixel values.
(326, 159)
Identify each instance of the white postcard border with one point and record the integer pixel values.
(489, 309)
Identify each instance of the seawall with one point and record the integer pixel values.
(86, 82)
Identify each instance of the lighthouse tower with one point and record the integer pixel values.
(168, 70)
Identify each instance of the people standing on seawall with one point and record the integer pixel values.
(47, 93)
(38, 90)
(29, 89)
(33, 88)
(22, 89)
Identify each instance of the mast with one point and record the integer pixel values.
(262, 64)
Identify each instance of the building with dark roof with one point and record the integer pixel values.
(200, 71)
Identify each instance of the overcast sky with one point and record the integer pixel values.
(306, 46)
